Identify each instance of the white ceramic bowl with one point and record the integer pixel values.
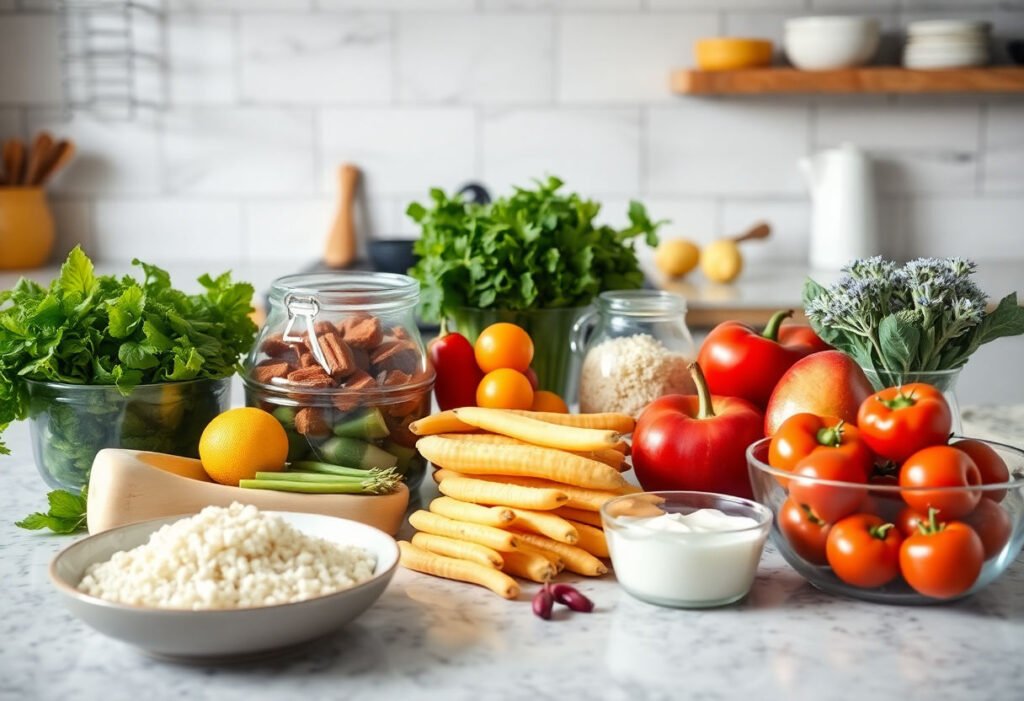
(216, 634)
(828, 43)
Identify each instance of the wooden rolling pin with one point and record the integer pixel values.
(127, 486)
(340, 251)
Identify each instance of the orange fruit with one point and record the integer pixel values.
(241, 442)
(504, 389)
(503, 346)
(549, 401)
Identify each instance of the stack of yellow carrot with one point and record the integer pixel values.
(522, 491)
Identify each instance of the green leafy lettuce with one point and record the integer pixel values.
(89, 329)
(537, 249)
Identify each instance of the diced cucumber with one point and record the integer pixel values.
(404, 454)
(286, 415)
(367, 425)
(355, 453)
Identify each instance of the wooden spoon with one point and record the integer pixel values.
(58, 157)
(40, 152)
(14, 161)
(340, 251)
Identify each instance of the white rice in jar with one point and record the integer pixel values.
(227, 558)
(625, 374)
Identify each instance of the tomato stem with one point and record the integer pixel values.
(932, 526)
(880, 532)
(811, 516)
(831, 436)
(900, 401)
(443, 331)
(771, 330)
(706, 408)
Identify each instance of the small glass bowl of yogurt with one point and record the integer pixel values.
(685, 549)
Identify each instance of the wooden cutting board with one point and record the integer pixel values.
(127, 486)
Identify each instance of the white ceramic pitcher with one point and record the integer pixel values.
(844, 219)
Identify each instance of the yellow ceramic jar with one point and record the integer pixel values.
(26, 228)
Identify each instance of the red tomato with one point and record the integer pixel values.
(740, 361)
(992, 524)
(908, 521)
(805, 532)
(941, 466)
(944, 560)
(696, 442)
(899, 421)
(800, 335)
(830, 502)
(864, 551)
(803, 434)
(993, 468)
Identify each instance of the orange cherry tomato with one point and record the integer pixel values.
(831, 502)
(992, 524)
(805, 532)
(503, 346)
(941, 466)
(943, 560)
(993, 468)
(864, 551)
(548, 401)
(899, 421)
(504, 389)
(803, 434)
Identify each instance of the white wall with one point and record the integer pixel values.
(268, 96)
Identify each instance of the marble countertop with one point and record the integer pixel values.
(429, 638)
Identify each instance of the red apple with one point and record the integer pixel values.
(828, 383)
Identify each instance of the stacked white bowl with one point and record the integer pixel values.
(947, 44)
(830, 42)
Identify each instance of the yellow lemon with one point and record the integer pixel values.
(241, 442)
(721, 260)
(676, 257)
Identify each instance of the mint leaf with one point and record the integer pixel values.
(67, 514)
(136, 356)
(65, 504)
(126, 312)
(76, 275)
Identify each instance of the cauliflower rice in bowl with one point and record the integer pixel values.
(227, 558)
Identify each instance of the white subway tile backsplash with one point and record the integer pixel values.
(316, 58)
(727, 147)
(252, 151)
(978, 228)
(560, 5)
(167, 230)
(718, 5)
(201, 59)
(920, 147)
(30, 71)
(11, 125)
(409, 5)
(474, 58)
(117, 157)
(1003, 167)
(625, 57)
(790, 221)
(220, 5)
(400, 151)
(287, 231)
(595, 151)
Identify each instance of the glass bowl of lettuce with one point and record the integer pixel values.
(98, 361)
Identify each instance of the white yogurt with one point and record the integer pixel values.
(704, 558)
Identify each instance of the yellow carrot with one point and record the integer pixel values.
(592, 518)
(554, 558)
(609, 456)
(478, 491)
(552, 526)
(442, 422)
(459, 549)
(493, 538)
(529, 566)
(496, 516)
(536, 432)
(472, 458)
(576, 559)
(415, 558)
(620, 423)
(578, 497)
(592, 540)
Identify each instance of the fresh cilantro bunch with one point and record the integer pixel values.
(103, 330)
(926, 315)
(537, 249)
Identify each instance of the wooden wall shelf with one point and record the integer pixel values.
(775, 81)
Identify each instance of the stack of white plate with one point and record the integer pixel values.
(947, 44)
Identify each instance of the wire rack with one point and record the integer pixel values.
(113, 56)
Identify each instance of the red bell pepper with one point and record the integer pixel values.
(457, 372)
(740, 362)
(696, 442)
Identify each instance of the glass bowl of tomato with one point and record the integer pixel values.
(883, 541)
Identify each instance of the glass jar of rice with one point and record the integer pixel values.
(635, 348)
